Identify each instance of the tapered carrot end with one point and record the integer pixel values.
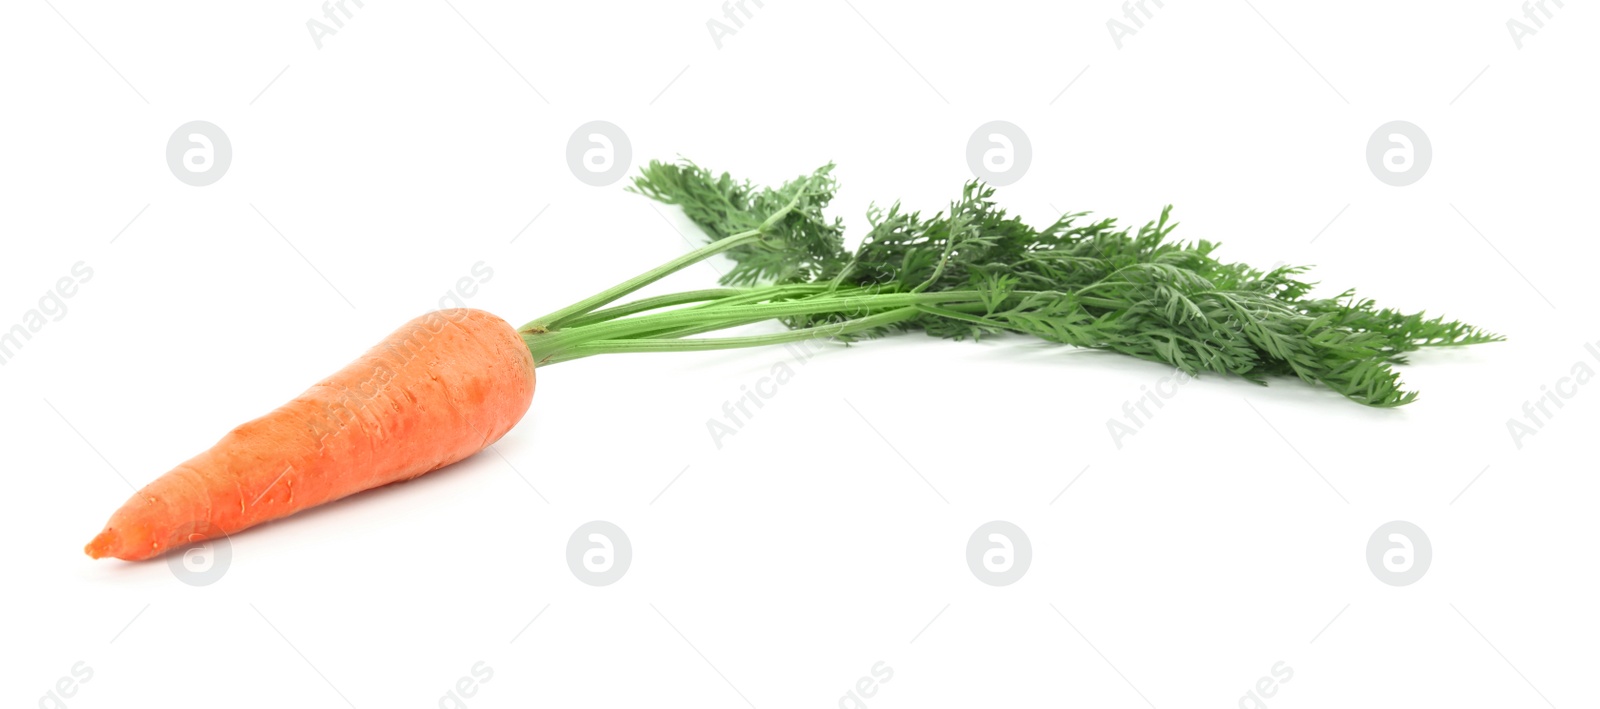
(104, 545)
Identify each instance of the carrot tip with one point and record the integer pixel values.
(102, 544)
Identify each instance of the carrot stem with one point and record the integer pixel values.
(657, 302)
(722, 343)
(548, 346)
(609, 295)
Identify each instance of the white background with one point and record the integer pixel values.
(1227, 536)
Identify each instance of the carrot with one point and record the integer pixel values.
(450, 383)
(438, 390)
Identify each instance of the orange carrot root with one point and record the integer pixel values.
(441, 388)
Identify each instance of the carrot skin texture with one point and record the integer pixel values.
(441, 388)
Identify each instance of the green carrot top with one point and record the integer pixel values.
(972, 271)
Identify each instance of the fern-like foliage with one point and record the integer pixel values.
(1077, 281)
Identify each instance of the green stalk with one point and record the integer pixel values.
(723, 343)
(769, 293)
(545, 345)
(725, 324)
(655, 303)
(609, 295)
